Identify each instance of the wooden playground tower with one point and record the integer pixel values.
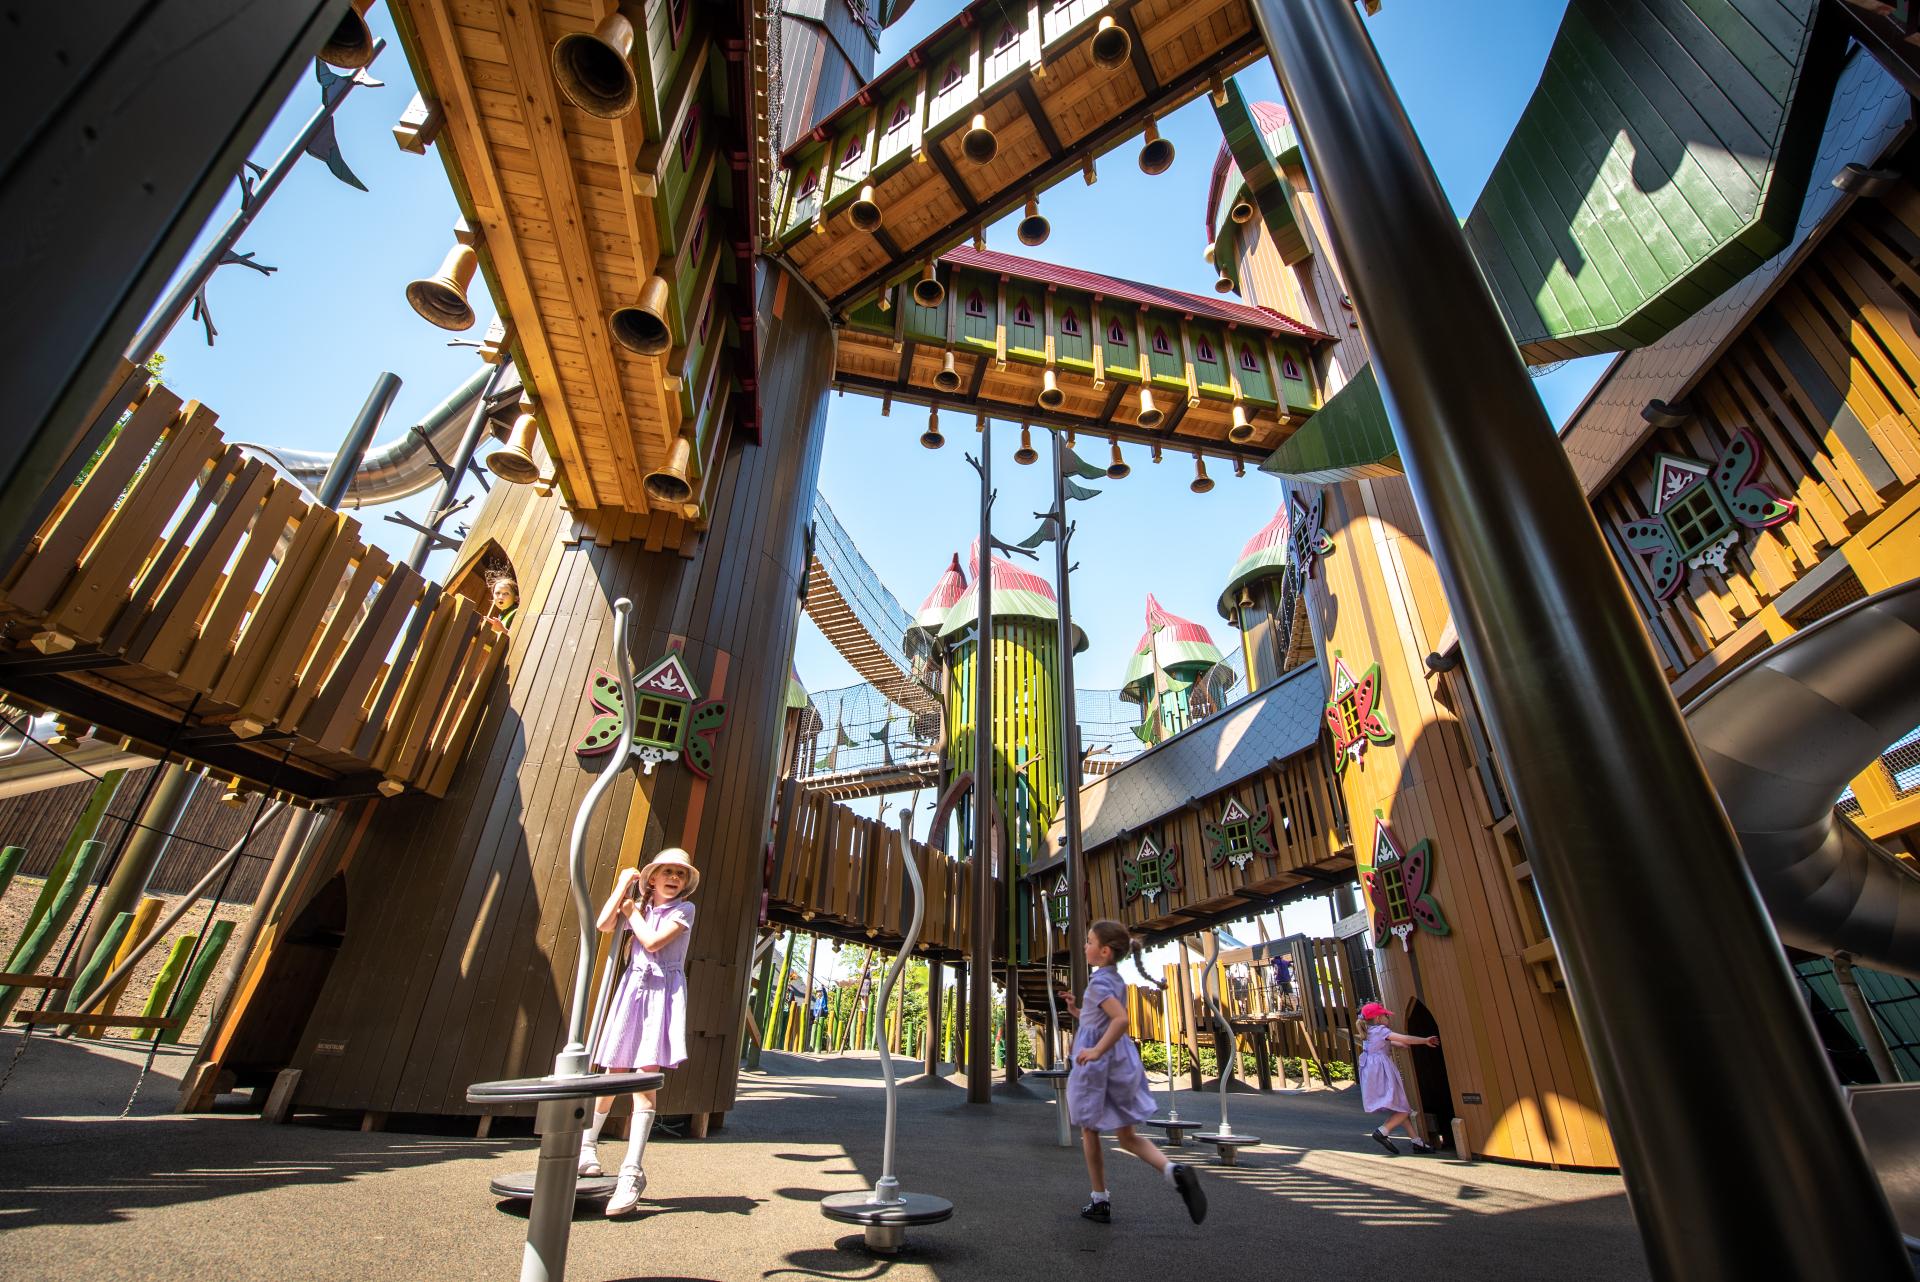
(687, 278)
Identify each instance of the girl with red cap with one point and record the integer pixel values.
(1381, 1090)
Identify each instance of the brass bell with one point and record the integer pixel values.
(1051, 397)
(1201, 483)
(1150, 415)
(1112, 46)
(1034, 228)
(1026, 454)
(1207, 253)
(1242, 431)
(594, 69)
(978, 144)
(1156, 153)
(351, 44)
(513, 462)
(642, 326)
(668, 485)
(928, 291)
(1117, 469)
(1242, 211)
(1223, 284)
(441, 299)
(863, 213)
(931, 438)
(948, 379)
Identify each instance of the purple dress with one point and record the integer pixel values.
(1381, 1090)
(647, 1019)
(1111, 1092)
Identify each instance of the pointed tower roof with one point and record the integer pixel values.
(1264, 556)
(1185, 648)
(950, 587)
(1017, 593)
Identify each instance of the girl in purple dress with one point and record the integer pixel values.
(1108, 1088)
(1381, 1090)
(646, 1024)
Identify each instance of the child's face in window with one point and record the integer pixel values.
(505, 595)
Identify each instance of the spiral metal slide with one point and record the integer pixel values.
(1781, 736)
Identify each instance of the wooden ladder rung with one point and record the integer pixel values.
(165, 1023)
(15, 980)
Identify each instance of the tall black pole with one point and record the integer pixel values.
(1727, 1120)
(980, 962)
(457, 469)
(333, 490)
(1069, 732)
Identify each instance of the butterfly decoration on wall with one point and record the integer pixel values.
(1699, 512)
(1399, 889)
(1353, 713)
(1239, 836)
(672, 719)
(1149, 873)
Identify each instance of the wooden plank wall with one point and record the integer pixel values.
(1378, 598)
(1310, 849)
(1827, 378)
(459, 953)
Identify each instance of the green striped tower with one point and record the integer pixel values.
(1173, 654)
(1256, 599)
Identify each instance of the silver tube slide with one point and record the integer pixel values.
(1781, 737)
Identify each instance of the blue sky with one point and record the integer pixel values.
(297, 352)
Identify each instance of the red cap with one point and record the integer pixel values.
(1374, 1010)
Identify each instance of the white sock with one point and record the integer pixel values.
(599, 1120)
(1166, 1172)
(1100, 1195)
(637, 1139)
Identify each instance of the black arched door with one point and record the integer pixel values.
(1430, 1077)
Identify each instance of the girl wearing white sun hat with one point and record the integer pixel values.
(646, 1023)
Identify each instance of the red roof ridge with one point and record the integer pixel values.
(1134, 291)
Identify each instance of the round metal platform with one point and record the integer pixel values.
(1049, 1074)
(535, 1090)
(1228, 1146)
(886, 1223)
(1177, 1129)
(519, 1184)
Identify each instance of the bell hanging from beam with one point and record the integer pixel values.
(928, 291)
(931, 438)
(594, 69)
(669, 485)
(441, 299)
(978, 144)
(1201, 482)
(1223, 283)
(1034, 228)
(1156, 153)
(351, 44)
(1242, 430)
(864, 213)
(1026, 454)
(1112, 46)
(948, 379)
(513, 462)
(1051, 397)
(641, 326)
(1241, 211)
(1117, 469)
(1150, 415)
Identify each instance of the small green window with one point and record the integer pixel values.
(1697, 520)
(658, 721)
(1393, 877)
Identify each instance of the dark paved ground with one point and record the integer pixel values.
(84, 1195)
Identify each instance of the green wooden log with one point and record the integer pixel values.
(83, 829)
(100, 962)
(38, 942)
(196, 979)
(10, 864)
(163, 985)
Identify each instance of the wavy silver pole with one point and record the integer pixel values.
(1229, 1049)
(887, 1188)
(572, 1060)
(1053, 1007)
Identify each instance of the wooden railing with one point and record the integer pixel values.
(180, 580)
(838, 873)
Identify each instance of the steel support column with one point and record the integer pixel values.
(980, 960)
(1662, 936)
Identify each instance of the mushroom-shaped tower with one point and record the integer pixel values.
(1172, 657)
(1259, 601)
(924, 649)
(1028, 771)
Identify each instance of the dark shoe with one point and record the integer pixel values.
(1421, 1146)
(1384, 1142)
(1186, 1182)
(1098, 1212)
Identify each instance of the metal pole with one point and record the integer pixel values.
(1622, 828)
(1069, 734)
(171, 308)
(333, 490)
(980, 963)
(457, 470)
(1871, 1038)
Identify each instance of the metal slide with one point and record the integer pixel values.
(1781, 737)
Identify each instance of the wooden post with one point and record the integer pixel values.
(144, 917)
(9, 864)
(935, 1021)
(163, 984)
(141, 853)
(807, 1020)
(36, 943)
(197, 977)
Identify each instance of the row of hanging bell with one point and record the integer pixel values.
(441, 299)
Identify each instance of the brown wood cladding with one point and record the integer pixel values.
(1378, 598)
(459, 953)
(1827, 377)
